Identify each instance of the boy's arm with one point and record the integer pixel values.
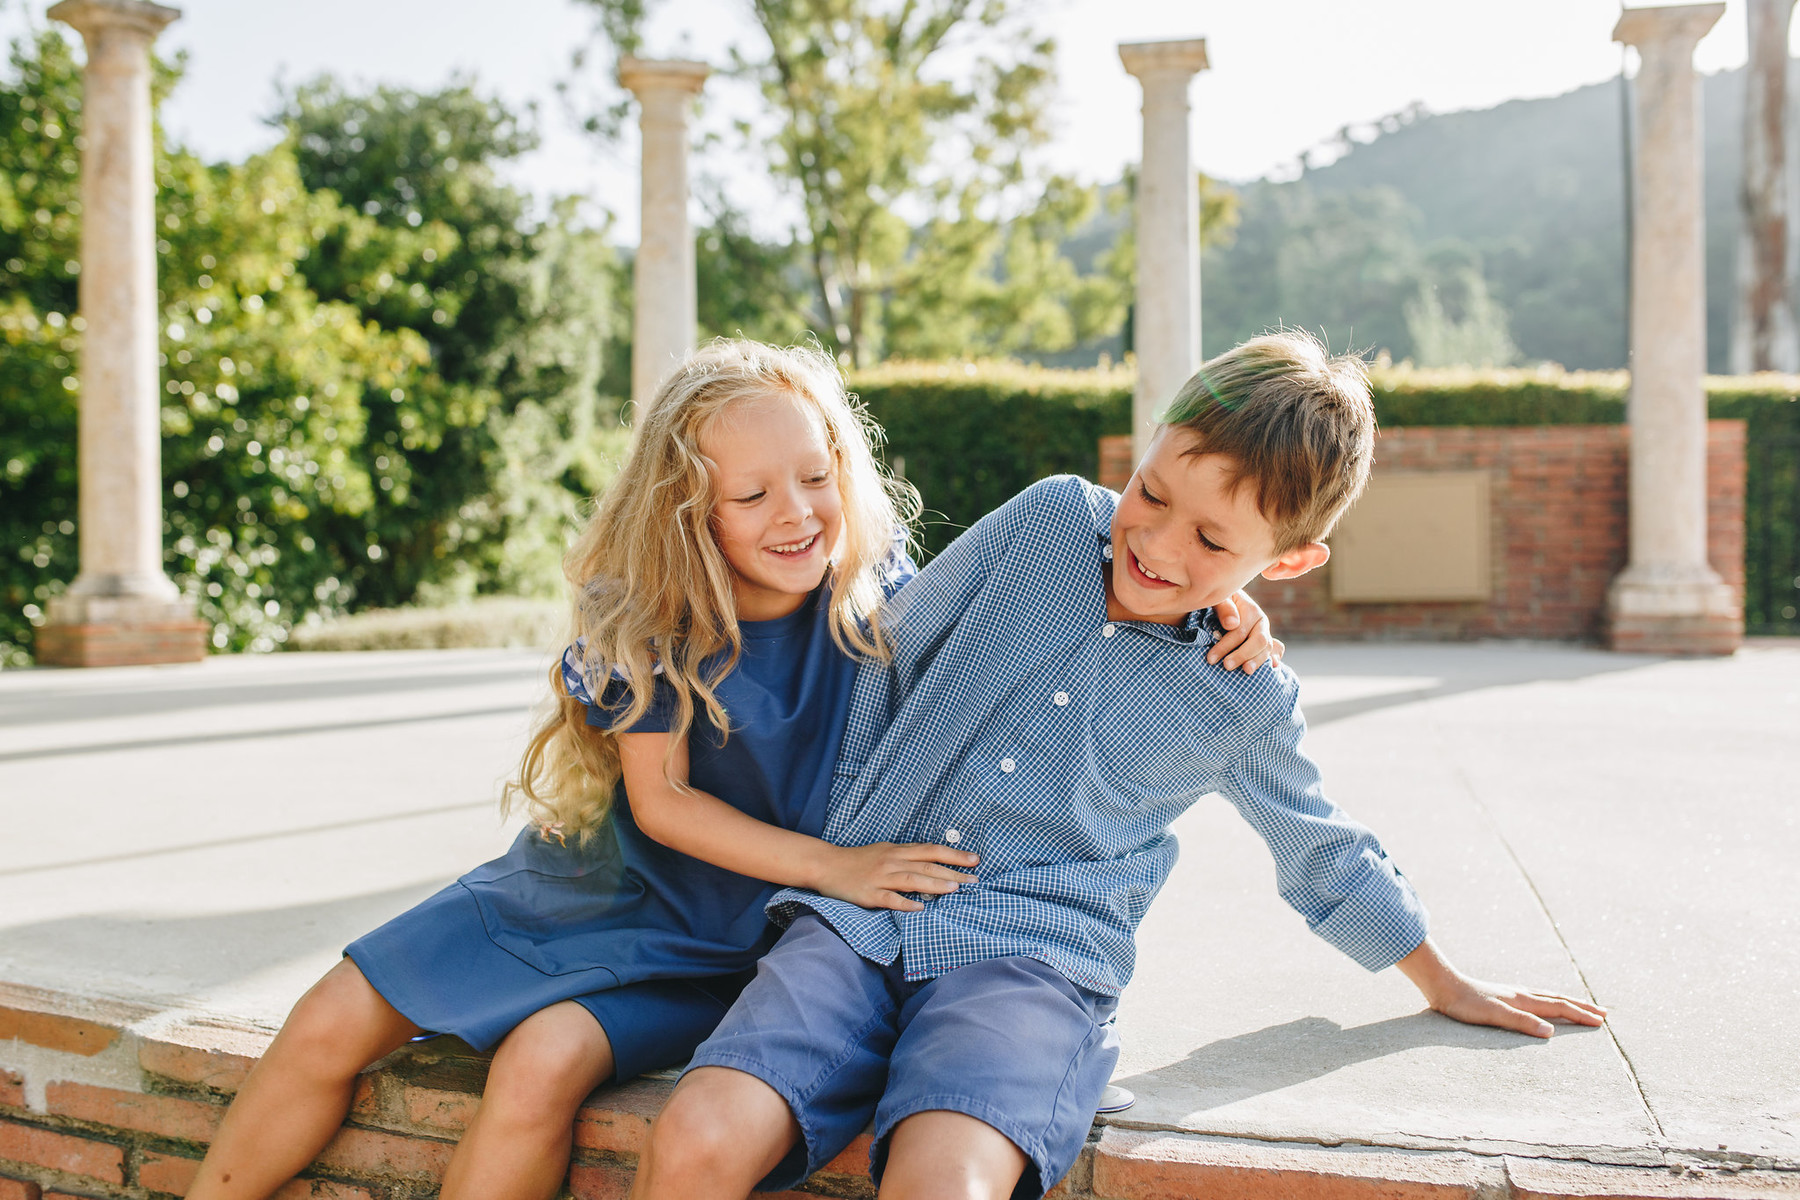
(1330, 869)
(1473, 1002)
(932, 601)
(1334, 872)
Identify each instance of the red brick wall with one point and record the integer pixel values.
(1559, 534)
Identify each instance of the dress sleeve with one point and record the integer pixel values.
(1329, 868)
(616, 696)
(898, 568)
(580, 678)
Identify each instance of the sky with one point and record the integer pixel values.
(1285, 74)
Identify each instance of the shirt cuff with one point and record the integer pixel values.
(1380, 922)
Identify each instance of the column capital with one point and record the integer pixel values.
(1186, 57)
(90, 17)
(1666, 24)
(639, 75)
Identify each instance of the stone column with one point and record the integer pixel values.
(121, 608)
(1668, 599)
(1166, 323)
(1764, 336)
(663, 275)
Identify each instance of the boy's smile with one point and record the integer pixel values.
(1184, 539)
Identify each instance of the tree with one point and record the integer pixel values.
(438, 245)
(339, 392)
(905, 130)
(263, 382)
(1355, 267)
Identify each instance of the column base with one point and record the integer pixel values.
(1663, 612)
(121, 631)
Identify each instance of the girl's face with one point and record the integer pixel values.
(779, 514)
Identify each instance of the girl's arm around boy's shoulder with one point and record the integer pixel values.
(703, 826)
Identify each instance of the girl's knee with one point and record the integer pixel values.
(546, 1067)
(342, 1024)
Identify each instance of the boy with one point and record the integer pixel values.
(1049, 707)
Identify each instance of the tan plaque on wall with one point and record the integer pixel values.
(1414, 536)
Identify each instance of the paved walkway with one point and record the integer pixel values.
(211, 836)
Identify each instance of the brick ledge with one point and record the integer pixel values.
(118, 1100)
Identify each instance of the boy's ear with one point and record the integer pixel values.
(1298, 561)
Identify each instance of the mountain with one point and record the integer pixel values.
(1507, 223)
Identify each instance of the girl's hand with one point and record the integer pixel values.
(1247, 641)
(878, 875)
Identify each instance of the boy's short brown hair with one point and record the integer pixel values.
(1297, 423)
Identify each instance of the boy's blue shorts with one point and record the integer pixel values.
(1009, 1042)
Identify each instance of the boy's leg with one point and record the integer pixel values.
(798, 1062)
(947, 1154)
(1008, 1046)
(296, 1096)
(718, 1136)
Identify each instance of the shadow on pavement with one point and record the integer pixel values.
(29, 706)
(1253, 1064)
(270, 835)
(152, 957)
(1444, 669)
(82, 749)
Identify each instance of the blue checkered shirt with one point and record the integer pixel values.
(1018, 722)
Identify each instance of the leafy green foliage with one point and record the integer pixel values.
(969, 436)
(515, 316)
(1535, 188)
(359, 404)
(1353, 266)
(924, 230)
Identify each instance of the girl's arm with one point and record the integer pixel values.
(707, 828)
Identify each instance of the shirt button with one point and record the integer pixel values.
(1108, 630)
(1060, 699)
(1007, 765)
(953, 836)
(1106, 553)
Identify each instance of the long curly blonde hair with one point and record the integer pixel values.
(652, 590)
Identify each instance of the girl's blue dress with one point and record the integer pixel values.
(652, 942)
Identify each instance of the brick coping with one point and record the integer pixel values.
(117, 1100)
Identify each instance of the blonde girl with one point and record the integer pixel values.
(723, 595)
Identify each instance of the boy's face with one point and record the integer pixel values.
(1183, 540)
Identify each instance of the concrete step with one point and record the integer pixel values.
(118, 1100)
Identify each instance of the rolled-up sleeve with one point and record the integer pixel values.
(1329, 868)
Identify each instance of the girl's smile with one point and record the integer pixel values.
(778, 514)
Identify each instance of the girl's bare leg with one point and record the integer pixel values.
(293, 1100)
(517, 1147)
(718, 1135)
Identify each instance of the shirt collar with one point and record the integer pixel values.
(1197, 628)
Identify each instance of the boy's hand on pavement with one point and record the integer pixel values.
(1473, 1002)
(879, 875)
(1478, 1003)
(1247, 641)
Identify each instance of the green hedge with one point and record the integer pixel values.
(972, 435)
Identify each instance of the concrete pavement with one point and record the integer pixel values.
(207, 838)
